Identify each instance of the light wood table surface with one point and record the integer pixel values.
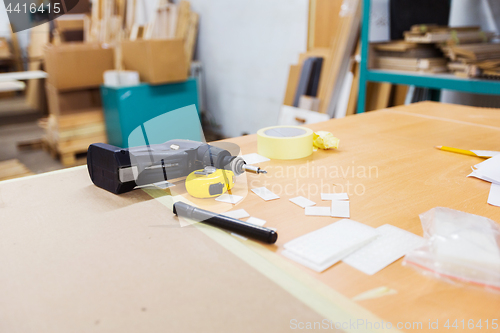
(77, 258)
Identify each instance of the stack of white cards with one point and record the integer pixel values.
(322, 248)
(391, 244)
(360, 246)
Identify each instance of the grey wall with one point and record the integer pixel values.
(246, 47)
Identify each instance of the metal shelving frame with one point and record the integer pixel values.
(436, 81)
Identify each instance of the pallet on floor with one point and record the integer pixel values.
(11, 169)
(70, 135)
(68, 151)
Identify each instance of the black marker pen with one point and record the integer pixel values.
(241, 227)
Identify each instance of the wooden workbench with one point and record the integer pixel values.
(75, 258)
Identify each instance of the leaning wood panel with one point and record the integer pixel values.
(340, 53)
(323, 22)
(291, 87)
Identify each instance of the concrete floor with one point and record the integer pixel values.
(37, 160)
(18, 124)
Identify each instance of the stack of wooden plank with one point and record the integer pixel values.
(470, 50)
(465, 51)
(408, 56)
(429, 33)
(475, 60)
(75, 121)
(112, 21)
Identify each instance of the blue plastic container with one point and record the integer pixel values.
(160, 112)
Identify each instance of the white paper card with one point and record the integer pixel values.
(265, 194)
(476, 174)
(490, 169)
(392, 244)
(302, 202)
(494, 196)
(229, 198)
(324, 247)
(256, 221)
(254, 158)
(485, 153)
(318, 211)
(237, 214)
(340, 208)
(334, 196)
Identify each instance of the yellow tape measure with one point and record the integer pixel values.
(209, 182)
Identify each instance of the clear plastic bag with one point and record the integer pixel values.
(461, 247)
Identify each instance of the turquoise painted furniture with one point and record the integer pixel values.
(157, 112)
(436, 81)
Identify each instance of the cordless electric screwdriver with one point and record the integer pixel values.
(120, 170)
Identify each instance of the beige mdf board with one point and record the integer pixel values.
(119, 263)
(100, 261)
(157, 61)
(323, 22)
(291, 87)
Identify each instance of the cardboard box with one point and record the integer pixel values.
(77, 65)
(71, 27)
(71, 102)
(157, 61)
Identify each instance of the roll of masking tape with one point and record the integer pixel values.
(285, 142)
